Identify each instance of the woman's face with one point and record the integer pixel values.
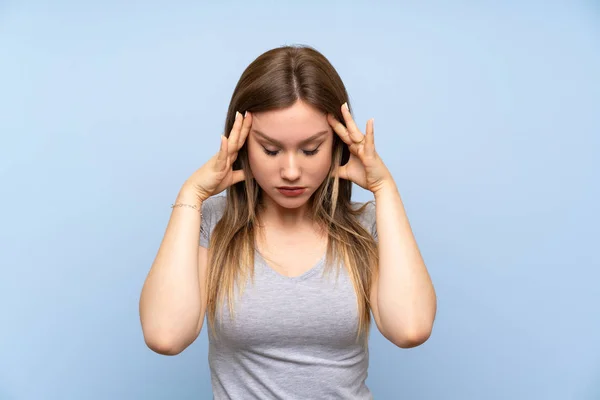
(290, 148)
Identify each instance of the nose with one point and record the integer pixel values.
(290, 170)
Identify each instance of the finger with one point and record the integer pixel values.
(370, 136)
(341, 172)
(353, 130)
(247, 124)
(237, 176)
(235, 131)
(339, 129)
(243, 135)
(221, 162)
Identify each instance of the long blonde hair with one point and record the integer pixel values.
(275, 80)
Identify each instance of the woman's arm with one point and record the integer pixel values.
(172, 304)
(403, 298)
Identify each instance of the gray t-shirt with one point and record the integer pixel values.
(291, 337)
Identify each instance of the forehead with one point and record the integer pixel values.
(290, 124)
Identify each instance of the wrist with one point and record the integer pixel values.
(385, 188)
(189, 195)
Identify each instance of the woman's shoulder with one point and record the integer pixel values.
(366, 206)
(212, 211)
(214, 207)
(367, 216)
(215, 202)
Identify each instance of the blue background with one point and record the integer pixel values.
(488, 115)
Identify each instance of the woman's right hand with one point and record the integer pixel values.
(217, 174)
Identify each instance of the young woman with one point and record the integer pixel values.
(285, 267)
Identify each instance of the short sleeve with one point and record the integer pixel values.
(371, 219)
(368, 218)
(212, 210)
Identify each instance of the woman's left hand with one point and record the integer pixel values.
(365, 167)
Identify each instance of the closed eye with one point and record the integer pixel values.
(273, 153)
(311, 152)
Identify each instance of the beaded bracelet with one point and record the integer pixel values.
(195, 207)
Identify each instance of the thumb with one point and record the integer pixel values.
(341, 172)
(237, 176)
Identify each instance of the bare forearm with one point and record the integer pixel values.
(405, 295)
(170, 303)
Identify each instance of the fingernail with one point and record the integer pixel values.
(346, 105)
(246, 114)
(236, 114)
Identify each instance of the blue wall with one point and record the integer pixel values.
(487, 115)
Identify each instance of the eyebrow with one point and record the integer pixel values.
(278, 143)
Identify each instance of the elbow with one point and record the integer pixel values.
(163, 345)
(166, 341)
(409, 337)
(411, 340)
(167, 338)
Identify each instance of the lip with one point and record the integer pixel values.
(291, 191)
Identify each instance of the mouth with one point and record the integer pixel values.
(291, 190)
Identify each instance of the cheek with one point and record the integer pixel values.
(259, 163)
(319, 166)
(255, 155)
(252, 157)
